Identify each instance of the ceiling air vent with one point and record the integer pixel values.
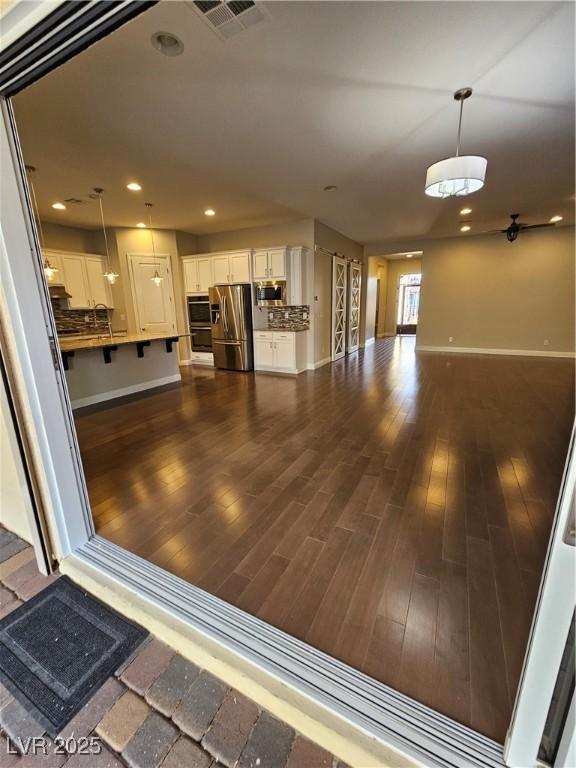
(229, 18)
(75, 201)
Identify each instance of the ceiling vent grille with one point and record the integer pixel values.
(227, 19)
(75, 201)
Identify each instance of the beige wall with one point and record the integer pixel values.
(300, 232)
(187, 243)
(389, 296)
(75, 239)
(488, 293)
(15, 505)
(382, 282)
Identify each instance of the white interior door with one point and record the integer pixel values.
(355, 285)
(153, 304)
(339, 290)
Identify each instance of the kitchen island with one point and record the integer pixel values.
(106, 367)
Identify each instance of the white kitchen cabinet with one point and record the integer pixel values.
(240, 267)
(277, 263)
(280, 351)
(98, 287)
(197, 274)
(263, 353)
(221, 269)
(260, 265)
(76, 281)
(83, 278)
(55, 261)
(205, 279)
(270, 264)
(190, 274)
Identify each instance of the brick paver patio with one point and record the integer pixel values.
(159, 711)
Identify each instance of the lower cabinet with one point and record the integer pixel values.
(282, 351)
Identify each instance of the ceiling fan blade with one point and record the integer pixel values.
(536, 226)
(493, 231)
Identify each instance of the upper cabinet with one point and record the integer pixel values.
(83, 277)
(55, 261)
(76, 281)
(221, 267)
(270, 264)
(198, 274)
(240, 267)
(98, 287)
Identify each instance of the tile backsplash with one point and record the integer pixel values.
(81, 321)
(289, 316)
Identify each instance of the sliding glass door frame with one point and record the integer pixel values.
(413, 731)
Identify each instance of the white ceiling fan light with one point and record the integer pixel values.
(459, 175)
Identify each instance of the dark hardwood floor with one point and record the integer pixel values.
(391, 509)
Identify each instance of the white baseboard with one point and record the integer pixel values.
(483, 351)
(113, 394)
(387, 334)
(368, 342)
(319, 364)
(185, 362)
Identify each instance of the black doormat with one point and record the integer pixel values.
(57, 649)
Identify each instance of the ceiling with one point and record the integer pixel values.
(354, 94)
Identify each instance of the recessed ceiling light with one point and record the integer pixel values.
(141, 225)
(133, 186)
(330, 188)
(555, 219)
(409, 255)
(465, 228)
(210, 212)
(167, 43)
(465, 211)
(59, 206)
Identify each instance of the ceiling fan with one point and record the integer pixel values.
(513, 230)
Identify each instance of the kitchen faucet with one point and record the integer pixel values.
(103, 306)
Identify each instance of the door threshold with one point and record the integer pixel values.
(323, 698)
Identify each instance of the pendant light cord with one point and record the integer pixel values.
(104, 231)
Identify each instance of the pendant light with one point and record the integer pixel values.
(49, 270)
(460, 175)
(110, 275)
(157, 279)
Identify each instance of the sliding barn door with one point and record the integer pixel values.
(339, 291)
(355, 286)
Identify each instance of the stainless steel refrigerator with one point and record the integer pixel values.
(231, 319)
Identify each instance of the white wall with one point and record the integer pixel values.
(15, 505)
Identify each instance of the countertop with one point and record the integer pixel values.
(68, 344)
(285, 329)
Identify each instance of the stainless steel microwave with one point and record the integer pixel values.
(271, 293)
